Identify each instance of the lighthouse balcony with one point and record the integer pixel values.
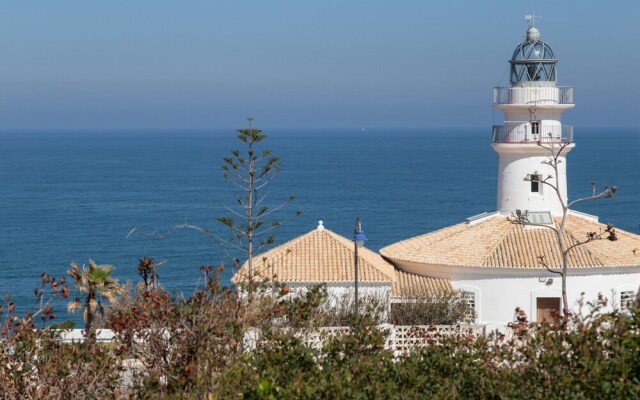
(544, 133)
(533, 95)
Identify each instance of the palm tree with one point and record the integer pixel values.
(95, 284)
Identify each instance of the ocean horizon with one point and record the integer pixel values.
(115, 196)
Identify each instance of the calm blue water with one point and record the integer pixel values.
(68, 196)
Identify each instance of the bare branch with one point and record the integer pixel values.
(265, 183)
(278, 207)
(607, 193)
(261, 199)
(231, 210)
(206, 232)
(556, 153)
(542, 262)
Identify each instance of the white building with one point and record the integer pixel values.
(321, 256)
(493, 261)
(496, 261)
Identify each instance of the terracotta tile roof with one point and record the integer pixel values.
(411, 285)
(497, 243)
(319, 256)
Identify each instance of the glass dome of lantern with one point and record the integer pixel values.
(533, 61)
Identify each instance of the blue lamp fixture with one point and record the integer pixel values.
(358, 236)
(358, 240)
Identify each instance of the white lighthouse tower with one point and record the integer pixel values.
(532, 107)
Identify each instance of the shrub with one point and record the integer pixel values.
(199, 347)
(448, 309)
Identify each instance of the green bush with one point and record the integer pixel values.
(198, 347)
(64, 325)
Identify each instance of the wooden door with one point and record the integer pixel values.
(548, 309)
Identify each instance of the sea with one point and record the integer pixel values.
(116, 196)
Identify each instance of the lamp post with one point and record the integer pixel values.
(358, 241)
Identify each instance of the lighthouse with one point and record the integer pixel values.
(492, 263)
(532, 105)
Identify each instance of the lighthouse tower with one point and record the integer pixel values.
(532, 107)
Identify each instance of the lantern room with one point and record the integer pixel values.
(533, 61)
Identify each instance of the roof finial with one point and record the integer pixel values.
(533, 34)
(531, 19)
(320, 226)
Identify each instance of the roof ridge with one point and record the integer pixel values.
(374, 267)
(274, 253)
(497, 244)
(430, 233)
(278, 252)
(342, 240)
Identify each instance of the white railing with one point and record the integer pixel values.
(402, 339)
(522, 134)
(542, 95)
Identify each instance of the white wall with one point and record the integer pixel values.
(337, 291)
(518, 161)
(496, 298)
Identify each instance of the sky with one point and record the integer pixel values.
(334, 64)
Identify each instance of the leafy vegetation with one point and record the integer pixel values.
(216, 344)
(95, 284)
(446, 309)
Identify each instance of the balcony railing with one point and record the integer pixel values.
(543, 95)
(523, 134)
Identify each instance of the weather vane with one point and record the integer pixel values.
(532, 19)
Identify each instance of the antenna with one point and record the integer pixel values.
(532, 19)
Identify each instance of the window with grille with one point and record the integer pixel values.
(470, 299)
(535, 127)
(627, 298)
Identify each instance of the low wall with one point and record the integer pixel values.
(402, 339)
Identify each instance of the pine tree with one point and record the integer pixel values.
(250, 220)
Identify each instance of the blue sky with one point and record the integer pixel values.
(297, 64)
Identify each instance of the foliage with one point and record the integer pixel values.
(216, 344)
(339, 310)
(447, 309)
(64, 325)
(250, 220)
(94, 284)
(148, 270)
(124, 300)
(182, 344)
(36, 365)
(598, 358)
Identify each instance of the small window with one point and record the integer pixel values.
(535, 187)
(627, 298)
(535, 182)
(535, 127)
